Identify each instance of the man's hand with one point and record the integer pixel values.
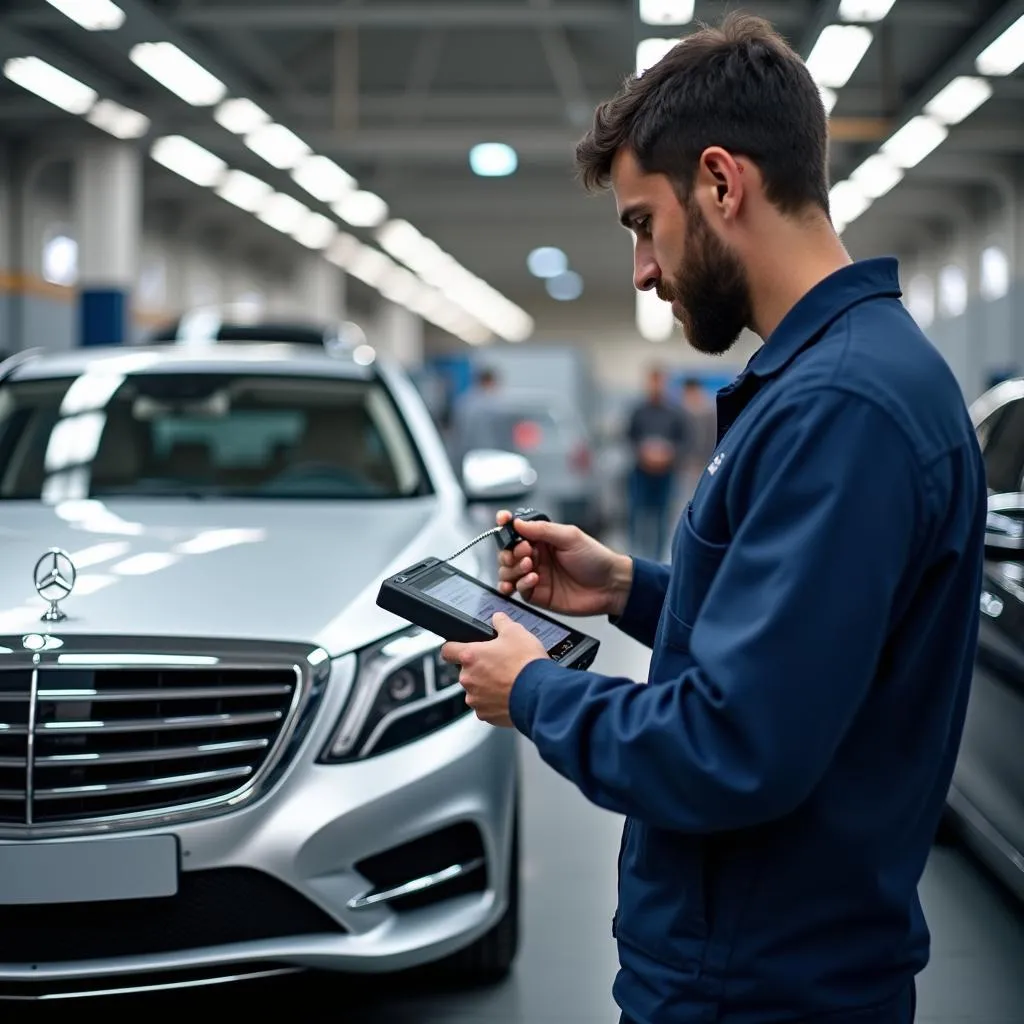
(489, 668)
(561, 568)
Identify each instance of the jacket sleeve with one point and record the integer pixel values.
(784, 648)
(639, 619)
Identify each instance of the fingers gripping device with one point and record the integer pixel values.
(438, 597)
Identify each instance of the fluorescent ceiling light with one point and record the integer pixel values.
(566, 287)
(454, 320)
(370, 266)
(323, 179)
(240, 116)
(864, 10)
(177, 72)
(277, 145)
(847, 201)
(121, 122)
(836, 54)
(493, 160)
(952, 290)
(422, 301)
(518, 324)
(361, 209)
(666, 12)
(184, 157)
(475, 309)
(829, 97)
(488, 306)
(1005, 54)
(650, 51)
(473, 333)
(876, 176)
(94, 15)
(914, 141)
(50, 84)
(959, 99)
(995, 273)
(547, 262)
(315, 231)
(244, 191)
(344, 250)
(654, 319)
(283, 213)
(401, 286)
(401, 240)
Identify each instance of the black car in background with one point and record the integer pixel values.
(986, 799)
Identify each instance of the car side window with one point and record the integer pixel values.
(1002, 440)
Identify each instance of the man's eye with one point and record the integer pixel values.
(642, 225)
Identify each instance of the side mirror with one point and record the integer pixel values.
(1004, 526)
(496, 477)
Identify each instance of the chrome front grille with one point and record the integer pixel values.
(86, 742)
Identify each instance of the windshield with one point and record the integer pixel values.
(203, 435)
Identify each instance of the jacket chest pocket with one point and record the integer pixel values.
(695, 565)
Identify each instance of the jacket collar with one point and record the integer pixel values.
(823, 304)
(804, 324)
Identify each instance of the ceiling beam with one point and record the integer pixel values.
(411, 110)
(565, 69)
(467, 14)
(982, 138)
(823, 14)
(539, 144)
(407, 15)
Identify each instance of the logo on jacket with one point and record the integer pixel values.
(54, 578)
(715, 463)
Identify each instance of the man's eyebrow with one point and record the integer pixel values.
(628, 214)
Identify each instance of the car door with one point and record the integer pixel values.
(990, 770)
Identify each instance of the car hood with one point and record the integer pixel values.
(306, 572)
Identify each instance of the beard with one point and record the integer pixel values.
(709, 291)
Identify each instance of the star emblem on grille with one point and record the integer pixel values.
(54, 578)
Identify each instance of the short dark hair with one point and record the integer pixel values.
(487, 375)
(739, 86)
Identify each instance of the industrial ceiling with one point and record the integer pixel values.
(397, 94)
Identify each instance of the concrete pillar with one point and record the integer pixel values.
(108, 216)
(399, 333)
(322, 291)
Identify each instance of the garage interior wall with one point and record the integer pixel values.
(967, 291)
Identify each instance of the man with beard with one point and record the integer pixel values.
(784, 769)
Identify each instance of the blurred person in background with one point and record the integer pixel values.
(785, 766)
(471, 424)
(701, 433)
(657, 435)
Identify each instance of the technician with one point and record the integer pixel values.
(783, 772)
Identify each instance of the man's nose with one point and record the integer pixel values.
(646, 272)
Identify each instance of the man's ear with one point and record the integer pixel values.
(720, 180)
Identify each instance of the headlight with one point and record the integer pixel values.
(403, 691)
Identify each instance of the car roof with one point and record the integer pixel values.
(268, 358)
(261, 331)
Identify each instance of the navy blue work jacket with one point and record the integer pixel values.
(784, 769)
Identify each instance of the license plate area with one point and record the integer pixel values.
(88, 871)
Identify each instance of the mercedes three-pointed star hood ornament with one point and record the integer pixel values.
(54, 577)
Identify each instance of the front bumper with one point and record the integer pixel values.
(281, 883)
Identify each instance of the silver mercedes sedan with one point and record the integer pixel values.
(219, 759)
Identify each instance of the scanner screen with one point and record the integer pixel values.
(479, 603)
